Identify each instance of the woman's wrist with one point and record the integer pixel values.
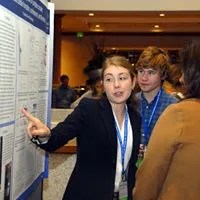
(40, 140)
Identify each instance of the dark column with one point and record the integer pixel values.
(57, 47)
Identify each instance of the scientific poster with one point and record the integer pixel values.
(25, 75)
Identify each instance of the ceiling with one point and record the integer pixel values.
(131, 22)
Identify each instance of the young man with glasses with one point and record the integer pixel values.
(152, 69)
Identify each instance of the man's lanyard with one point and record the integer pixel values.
(123, 144)
(146, 124)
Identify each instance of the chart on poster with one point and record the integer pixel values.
(25, 81)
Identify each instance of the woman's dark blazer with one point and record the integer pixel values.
(92, 123)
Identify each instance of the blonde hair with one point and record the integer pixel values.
(155, 58)
(174, 74)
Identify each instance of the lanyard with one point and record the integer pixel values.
(123, 144)
(146, 124)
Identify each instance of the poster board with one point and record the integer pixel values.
(26, 40)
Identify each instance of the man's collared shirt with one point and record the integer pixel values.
(147, 109)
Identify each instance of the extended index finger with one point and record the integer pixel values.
(28, 115)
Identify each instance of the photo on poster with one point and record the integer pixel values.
(1, 147)
(7, 181)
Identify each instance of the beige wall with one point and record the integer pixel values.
(127, 5)
(74, 57)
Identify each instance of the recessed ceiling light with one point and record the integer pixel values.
(156, 26)
(162, 14)
(97, 25)
(91, 14)
(97, 30)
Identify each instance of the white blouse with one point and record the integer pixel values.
(128, 151)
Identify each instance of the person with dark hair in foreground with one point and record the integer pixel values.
(170, 169)
(108, 137)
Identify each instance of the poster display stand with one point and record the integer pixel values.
(26, 49)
